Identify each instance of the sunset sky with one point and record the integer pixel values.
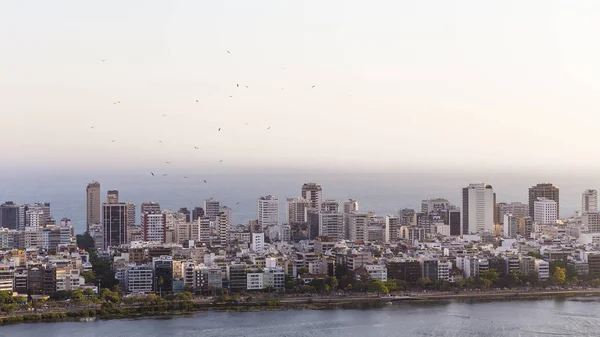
(398, 84)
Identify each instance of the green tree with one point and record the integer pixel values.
(391, 284)
(492, 275)
(108, 295)
(332, 282)
(424, 282)
(89, 276)
(376, 286)
(89, 292)
(536, 254)
(85, 241)
(77, 296)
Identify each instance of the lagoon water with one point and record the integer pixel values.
(555, 317)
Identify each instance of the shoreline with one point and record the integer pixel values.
(321, 303)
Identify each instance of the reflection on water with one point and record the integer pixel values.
(571, 317)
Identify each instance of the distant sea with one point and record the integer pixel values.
(382, 193)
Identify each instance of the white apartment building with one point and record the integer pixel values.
(138, 279)
(478, 202)
(274, 277)
(589, 201)
(545, 211)
(543, 269)
(445, 271)
(7, 278)
(154, 227)
(268, 211)
(377, 271)
(254, 281)
(68, 279)
(258, 242)
(331, 224)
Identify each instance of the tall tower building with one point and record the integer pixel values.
(130, 214)
(589, 201)
(92, 192)
(478, 203)
(149, 207)
(296, 210)
(9, 215)
(154, 227)
(212, 208)
(314, 193)
(545, 211)
(268, 211)
(434, 205)
(544, 190)
(114, 221)
(223, 228)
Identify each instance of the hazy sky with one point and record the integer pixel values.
(430, 84)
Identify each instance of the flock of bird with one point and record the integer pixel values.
(195, 147)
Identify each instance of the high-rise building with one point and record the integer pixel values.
(511, 225)
(34, 218)
(9, 215)
(358, 223)
(258, 242)
(212, 208)
(545, 211)
(154, 226)
(516, 209)
(477, 208)
(436, 205)
(407, 217)
(330, 206)
(544, 190)
(325, 223)
(149, 207)
(186, 213)
(314, 193)
(296, 210)
(268, 211)
(453, 220)
(223, 228)
(114, 221)
(592, 221)
(130, 214)
(197, 212)
(350, 205)
(93, 202)
(589, 201)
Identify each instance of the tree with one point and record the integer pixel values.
(331, 282)
(376, 286)
(424, 282)
(492, 275)
(559, 276)
(77, 296)
(88, 292)
(391, 284)
(109, 296)
(85, 241)
(535, 254)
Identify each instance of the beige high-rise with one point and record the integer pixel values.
(93, 203)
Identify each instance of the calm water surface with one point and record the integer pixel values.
(571, 317)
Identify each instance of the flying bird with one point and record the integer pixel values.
(160, 141)
(164, 115)
(103, 60)
(219, 129)
(228, 52)
(168, 162)
(205, 181)
(269, 128)
(237, 203)
(281, 88)
(220, 161)
(91, 127)
(152, 173)
(164, 174)
(196, 101)
(246, 123)
(119, 102)
(197, 148)
(238, 85)
(313, 86)
(184, 177)
(246, 87)
(114, 140)
(230, 96)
